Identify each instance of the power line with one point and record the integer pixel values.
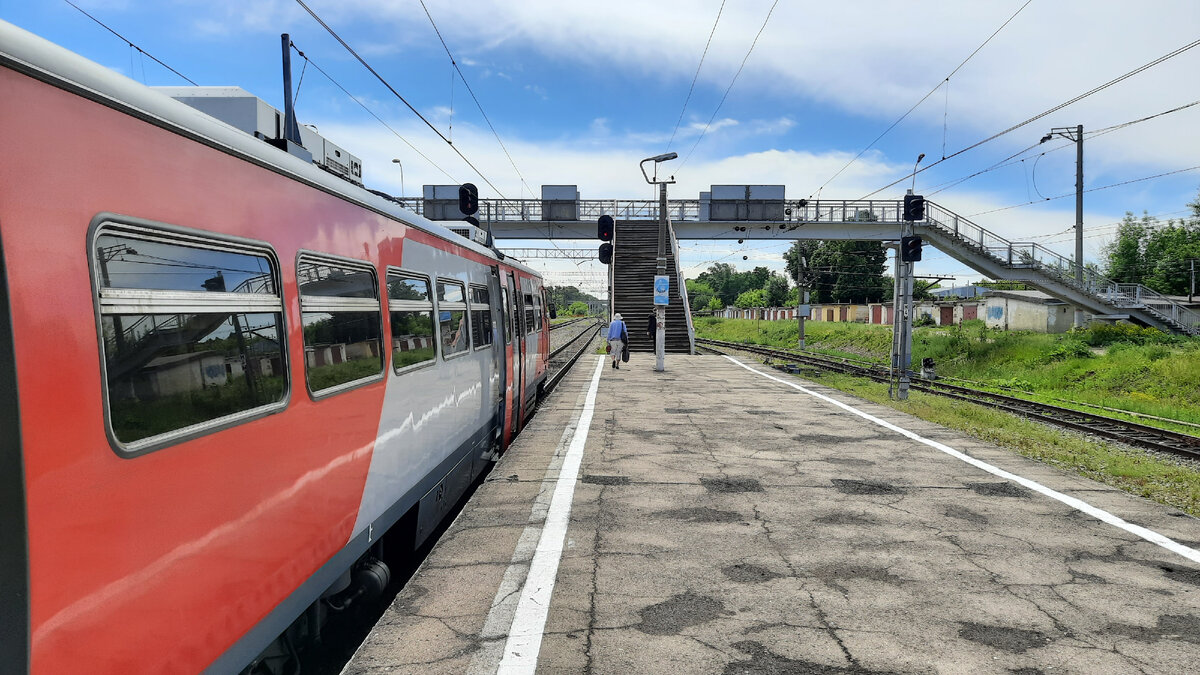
(923, 98)
(126, 41)
(697, 75)
(470, 91)
(1040, 115)
(354, 98)
(397, 95)
(731, 83)
(1095, 189)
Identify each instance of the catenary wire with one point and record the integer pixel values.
(470, 91)
(731, 83)
(1040, 115)
(126, 41)
(392, 89)
(1095, 189)
(696, 76)
(371, 112)
(946, 80)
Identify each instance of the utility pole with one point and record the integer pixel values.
(1192, 286)
(660, 310)
(1075, 135)
(802, 308)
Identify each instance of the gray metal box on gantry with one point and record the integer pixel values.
(441, 202)
(241, 109)
(560, 202)
(746, 202)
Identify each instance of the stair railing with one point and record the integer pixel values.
(679, 278)
(1029, 255)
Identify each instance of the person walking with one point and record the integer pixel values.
(618, 335)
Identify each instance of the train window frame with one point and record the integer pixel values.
(108, 300)
(538, 308)
(473, 307)
(417, 306)
(333, 304)
(528, 314)
(464, 306)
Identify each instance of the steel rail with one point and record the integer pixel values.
(556, 326)
(553, 380)
(1110, 428)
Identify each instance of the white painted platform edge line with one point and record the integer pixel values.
(504, 603)
(529, 621)
(1078, 504)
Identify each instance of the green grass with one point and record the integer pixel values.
(333, 374)
(1126, 368)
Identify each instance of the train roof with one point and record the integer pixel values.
(25, 52)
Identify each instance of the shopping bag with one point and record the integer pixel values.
(607, 349)
(625, 354)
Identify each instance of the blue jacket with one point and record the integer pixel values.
(617, 331)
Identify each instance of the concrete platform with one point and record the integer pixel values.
(724, 522)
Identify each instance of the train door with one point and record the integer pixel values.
(512, 305)
(530, 344)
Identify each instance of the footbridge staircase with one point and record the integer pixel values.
(1052, 273)
(634, 264)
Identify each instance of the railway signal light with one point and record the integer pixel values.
(468, 199)
(604, 228)
(472, 220)
(910, 249)
(914, 207)
(606, 252)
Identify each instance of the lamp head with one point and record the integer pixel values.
(920, 157)
(395, 161)
(1046, 138)
(666, 156)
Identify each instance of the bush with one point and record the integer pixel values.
(923, 321)
(1069, 349)
(1102, 334)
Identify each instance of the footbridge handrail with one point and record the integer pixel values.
(1031, 255)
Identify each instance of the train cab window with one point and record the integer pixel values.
(452, 318)
(481, 317)
(339, 305)
(191, 332)
(504, 319)
(529, 320)
(410, 305)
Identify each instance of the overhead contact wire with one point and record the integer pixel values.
(470, 91)
(385, 83)
(945, 81)
(696, 76)
(731, 83)
(127, 41)
(1040, 115)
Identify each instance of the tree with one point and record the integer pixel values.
(776, 290)
(578, 308)
(841, 271)
(715, 304)
(1125, 257)
(699, 294)
(1157, 255)
(563, 296)
(748, 299)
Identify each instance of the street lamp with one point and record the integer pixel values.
(397, 163)
(918, 162)
(660, 311)
(1075, 134)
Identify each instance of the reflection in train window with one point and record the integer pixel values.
(155, 263)
(537, 311)
(170, 371)
(411, 310)
(191, 333)
(339, 305)
(452, 317)
(504, 315)
(481, 317)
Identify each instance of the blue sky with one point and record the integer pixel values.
(580, 91)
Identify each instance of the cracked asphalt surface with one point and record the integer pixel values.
(801, 539)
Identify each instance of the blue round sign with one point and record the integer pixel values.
(660, 286)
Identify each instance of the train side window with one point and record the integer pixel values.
(339, 305)
(481, 317)
(452, 318)
(191, 331)
(410, 306)
(504, 319)
(529, 313)
(537, 311)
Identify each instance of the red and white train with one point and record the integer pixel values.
(224, 374)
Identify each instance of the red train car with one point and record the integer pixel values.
(224, 375)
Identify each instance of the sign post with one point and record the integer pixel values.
(662, 298)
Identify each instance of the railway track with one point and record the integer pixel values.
(564, 324)
(553, 380)
(1109, 428)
